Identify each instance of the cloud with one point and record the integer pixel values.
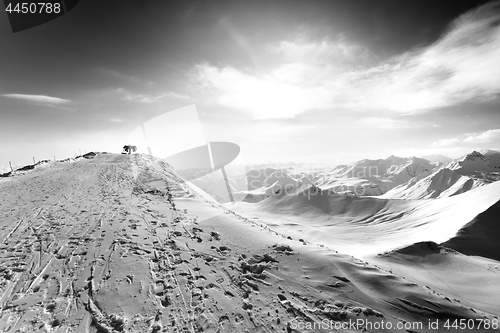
(143, 98)
(461, 66)
(146, 98)
(263, 95)
(323, 51)
(484, 137)
(38, 99)
(176, 95)
(471, 138)
(123, 77)
(451, 152)
(384, 123)
(445, 142)
(116, 120)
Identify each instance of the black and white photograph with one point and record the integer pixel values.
(220, 166)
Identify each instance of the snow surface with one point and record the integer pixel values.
(119, 243)
(365, 226)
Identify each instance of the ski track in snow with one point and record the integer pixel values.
(109, 246)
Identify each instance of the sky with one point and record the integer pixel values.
(305, 81)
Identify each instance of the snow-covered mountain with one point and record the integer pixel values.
(264, 183)
(488, 152)
(476, 163)
(393, 177)
(458, 176)
(437, 158)
(374, 177)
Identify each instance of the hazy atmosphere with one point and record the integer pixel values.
(306, 81)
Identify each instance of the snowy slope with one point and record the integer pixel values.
(368, 225)
(119, 243)
(480, 237)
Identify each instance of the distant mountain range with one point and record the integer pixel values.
(374, 177)
(390, 178)
(455, 177)
(436, 158)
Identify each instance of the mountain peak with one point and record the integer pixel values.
(473, 156)
(486, 152)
